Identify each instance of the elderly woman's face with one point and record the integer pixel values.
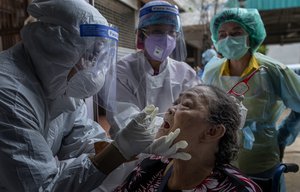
(230, 29)
(190, 114)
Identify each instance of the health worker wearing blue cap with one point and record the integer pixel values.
(156, 73)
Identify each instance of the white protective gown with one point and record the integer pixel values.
(45, 137)
(137, 87)
(136, 83)
(37, 154)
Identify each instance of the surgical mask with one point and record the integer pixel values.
(85, 83)
(159, 47)
(233, 47)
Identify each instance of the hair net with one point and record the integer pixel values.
(248, 19)
(159, 12)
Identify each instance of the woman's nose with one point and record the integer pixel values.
(172, 111)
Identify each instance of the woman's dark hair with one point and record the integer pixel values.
(223, 109)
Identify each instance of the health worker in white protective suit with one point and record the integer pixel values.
(151, 76)
(46, 139)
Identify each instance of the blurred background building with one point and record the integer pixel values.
(281, 19)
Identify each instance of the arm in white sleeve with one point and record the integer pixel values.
(128, 99)
(80, 137)
(26, 160)
(125, 112)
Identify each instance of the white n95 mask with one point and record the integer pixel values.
(84, 84)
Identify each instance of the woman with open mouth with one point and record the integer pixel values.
(208, 120)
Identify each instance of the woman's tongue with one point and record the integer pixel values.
(166, 125)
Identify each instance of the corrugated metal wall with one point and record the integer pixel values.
(13, 13)
(12, 16)
(123, 17)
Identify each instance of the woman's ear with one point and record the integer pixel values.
(214, 132)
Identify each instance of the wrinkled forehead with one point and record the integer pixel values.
(201, 93)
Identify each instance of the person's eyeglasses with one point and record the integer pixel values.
(160, 32)
(242, 87)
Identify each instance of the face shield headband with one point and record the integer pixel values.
(160, 14)
(159, 8)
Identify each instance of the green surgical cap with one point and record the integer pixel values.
(248, 19)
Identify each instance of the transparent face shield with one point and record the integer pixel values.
(97, 64)
(180, 52)
(162, 15)
(106, 97)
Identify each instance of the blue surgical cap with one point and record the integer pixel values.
(248, 19)
(159, 12)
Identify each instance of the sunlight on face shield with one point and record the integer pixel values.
(94, 56)
(88, 76)
(97, 55)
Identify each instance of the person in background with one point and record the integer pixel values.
(237, 33)
(206, 57)
(47, 141)
(151, 76)
(209, 120)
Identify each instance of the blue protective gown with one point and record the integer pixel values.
(270, 93)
